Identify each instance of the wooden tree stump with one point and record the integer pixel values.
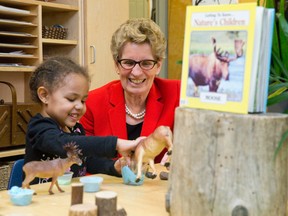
(77, 193)
(106, 202)
(86, 209)
(223, 164)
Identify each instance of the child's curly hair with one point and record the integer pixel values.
(51, 73)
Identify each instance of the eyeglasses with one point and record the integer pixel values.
(129, 64)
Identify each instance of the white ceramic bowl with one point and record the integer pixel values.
(65, 179)
(20, 196)
(91, 183)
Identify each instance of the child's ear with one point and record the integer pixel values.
(43, 94)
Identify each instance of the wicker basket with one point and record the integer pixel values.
(54, 32)
(4, 173)
(5, 170)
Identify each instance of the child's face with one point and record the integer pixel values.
(66, 104)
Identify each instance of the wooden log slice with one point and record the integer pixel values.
(106, 202)
(84, 209)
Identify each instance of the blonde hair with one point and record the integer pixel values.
(139, 30)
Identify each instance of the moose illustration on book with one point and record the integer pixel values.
(52, 168)
(210, 69)
(150, 147)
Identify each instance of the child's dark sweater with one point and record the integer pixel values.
(45, 141)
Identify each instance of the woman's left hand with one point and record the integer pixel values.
(126, 147)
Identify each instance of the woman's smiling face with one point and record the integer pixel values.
(138, 81)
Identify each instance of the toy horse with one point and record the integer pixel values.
(150, 147)
(52, 168)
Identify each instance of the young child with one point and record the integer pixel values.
(61, 87)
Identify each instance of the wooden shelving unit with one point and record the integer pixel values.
(22, 47)
(19, 24)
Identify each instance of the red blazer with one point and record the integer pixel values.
(106, 114)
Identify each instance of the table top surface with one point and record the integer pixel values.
(147, 199)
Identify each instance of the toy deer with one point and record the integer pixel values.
(52, 168)
(150, 147)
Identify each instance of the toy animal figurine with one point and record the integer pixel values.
(150, 147)
(52, 168)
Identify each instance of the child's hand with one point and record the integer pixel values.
(126, 147)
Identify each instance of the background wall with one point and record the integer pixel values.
(170, 16)
(176, 23)
(157, 10)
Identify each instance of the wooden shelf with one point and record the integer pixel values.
(14, 152)
(18, 69)
(11, 22)
(15, 12)
(19, 3)
(17, 56)
(56, 7)
(17, 34)
(18, 45)
(58, 41)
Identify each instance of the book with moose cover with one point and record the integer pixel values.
(226, 57)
